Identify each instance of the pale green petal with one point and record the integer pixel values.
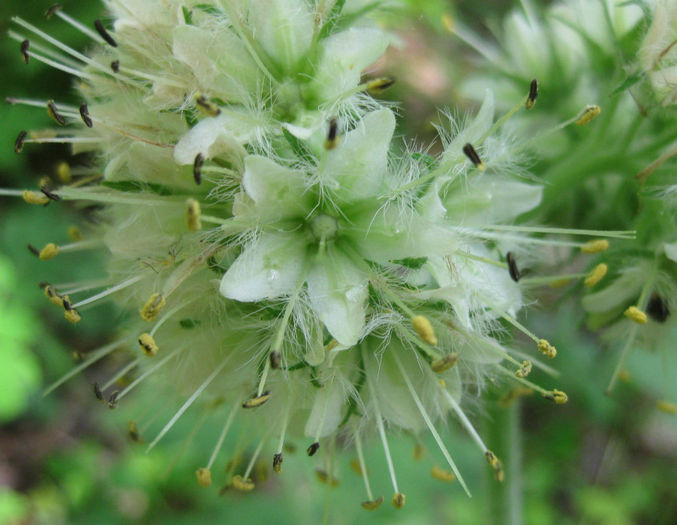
(357, 167)
(278, 192)
(338, 293)
(327, 411)
(221, 64)
(490, 199)
(269, 267)
(344, 56)
(620, 293)
(284, 28)
(222, 135)
(472, 132)
(671, 251)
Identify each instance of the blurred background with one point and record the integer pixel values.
(67, 459)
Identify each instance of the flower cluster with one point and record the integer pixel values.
(282, 255)
(619, 58)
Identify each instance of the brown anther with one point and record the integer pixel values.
(197, 168)
(115, 66)
(471, 153)
(25, 47)
(257, 401)
(332, 135)
(19, 142)
(372, 504)
(104, 34)
(277, 463)
(84, 114)
(53, 112)
(533, 94)
(512, 267)
(313, 448)
(444, 363)
(398, 500)
(51, 10)
(113, 400)
(97, 391)
(275, 360)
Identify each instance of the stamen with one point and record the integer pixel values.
(596, 275)
(547, 349)
(424, 329)
(595, 246)
(512, 267)
(148, 372)
(444, 363)
(193, 215)
(133, 431)
(207, 107)
(277, 462)
(84, 113)
(464, 420)
(557, 396)
(524, 370)
(19, 142)
(495, 464)
(97, 391)
(471, 153)
(257, 401)
(378, 85)
(153, 306)
(51, 293)
(239, 483)
(25, 46)
(204, 477)
(398, 500)
(429, 424)
(77, 25)
(313, 448)
(95, 356)
(635, 314)
(52, 10)
(533, 94)
(442, 475)
(589, 112)
(371, 503)
(189, 402)
(148, 345)
(332, 135)
(104, 34)
(197, 168)
(253, 459)
(277, 458)
(70, 313)
(108, 291)
(222, 436)
(657, 308)
(666, 406)
(54, 113)
(45, 191)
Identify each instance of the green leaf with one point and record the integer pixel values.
(628, 82)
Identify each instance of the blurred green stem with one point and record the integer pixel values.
(505, 435)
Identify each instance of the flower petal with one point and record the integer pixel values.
(356, 168)
(278, 192)
(344, 56)
(338, 293)
(269, 267)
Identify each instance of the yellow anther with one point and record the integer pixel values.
(372, 504)
(53, 296)
(206, 107)
(204, 477)
(547, 349)
(596, 275)
(379, 85)
(524, 370)
(557, 396)
(148, 345)
(257, 401)
(666, 406)
(63, 172)
(34, 197)
(398, 500)
(589, 112)
(596, 246)
(495, 464)
(72, 315)
(356, 467)
(153, 306)
(332, 344)
(50, 251)
(134, 434)
(54, 114)
(74, 234)
(243, 485)
(193, 215)
(277, 463)
(444, 363)
(324, 477)
(424, 329)
(442, 475)
(635, 314)
(448, 22)
(419, 451)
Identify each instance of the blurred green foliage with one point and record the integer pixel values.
(67, 459)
